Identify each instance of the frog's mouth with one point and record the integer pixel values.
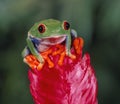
(53, 40)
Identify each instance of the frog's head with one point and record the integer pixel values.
(50, 31)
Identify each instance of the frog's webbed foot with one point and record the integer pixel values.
(78, 44)
(32, 61)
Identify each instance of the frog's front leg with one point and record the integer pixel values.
(25, 52)
(68, 46)
(34, 51)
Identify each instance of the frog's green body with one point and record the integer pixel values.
(46, 33)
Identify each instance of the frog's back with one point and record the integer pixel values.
(49, 21)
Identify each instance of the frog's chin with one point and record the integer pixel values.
(53, 40)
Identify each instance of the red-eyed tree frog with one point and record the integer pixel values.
(46, 33)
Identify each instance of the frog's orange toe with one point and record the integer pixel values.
(50, 63)
(40, 66)
(78, 44)
(62, 55)
(30, 63)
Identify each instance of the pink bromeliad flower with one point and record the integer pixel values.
(63, 79)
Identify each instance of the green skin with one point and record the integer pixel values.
(54, 34)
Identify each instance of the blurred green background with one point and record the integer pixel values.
(97, 21)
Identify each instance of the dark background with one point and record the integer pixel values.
(97, 21)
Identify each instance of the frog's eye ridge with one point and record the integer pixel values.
(66, 25)
(41, 28)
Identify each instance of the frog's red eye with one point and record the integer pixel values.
(66, 25)
(41, 28)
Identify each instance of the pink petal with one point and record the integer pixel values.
(72, 83)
